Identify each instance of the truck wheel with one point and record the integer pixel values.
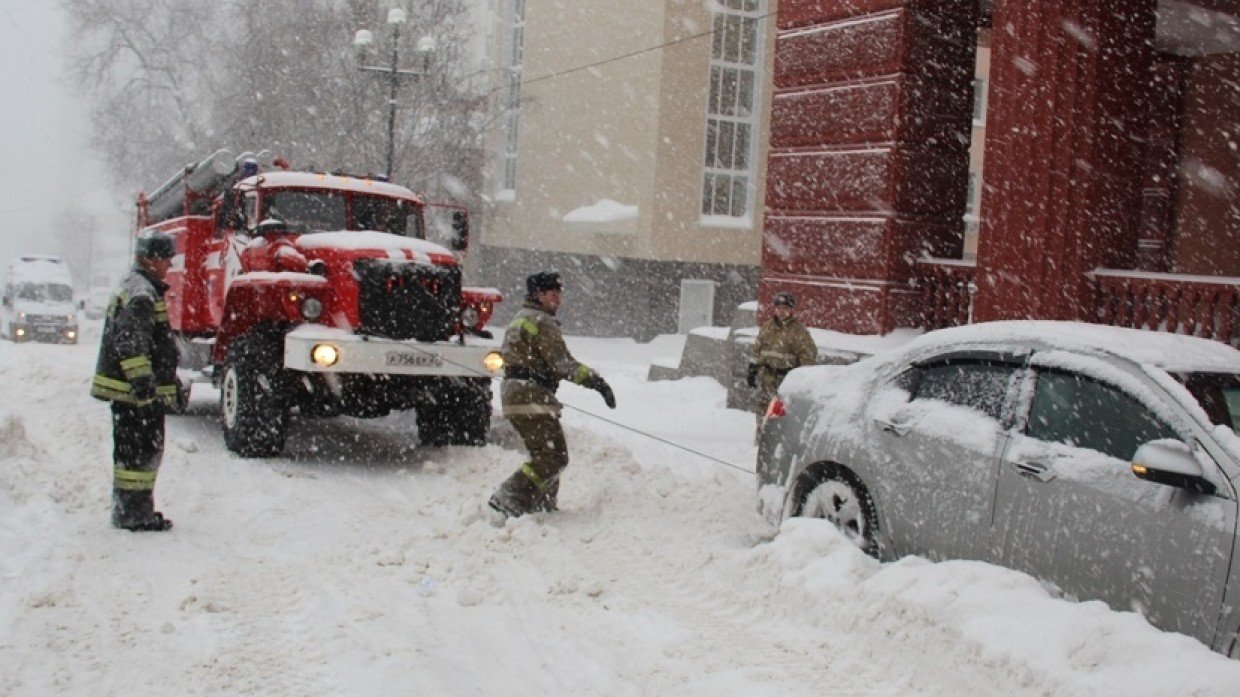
(461, 417)
(254, 415)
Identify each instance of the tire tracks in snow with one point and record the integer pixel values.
(266, 647)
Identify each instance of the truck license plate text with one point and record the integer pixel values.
(421, 360)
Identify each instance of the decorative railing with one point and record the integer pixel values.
(946, 287)
(1203, 306)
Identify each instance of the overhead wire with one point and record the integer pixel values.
(613, 59)
(623, 426)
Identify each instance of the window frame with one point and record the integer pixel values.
(735, 71)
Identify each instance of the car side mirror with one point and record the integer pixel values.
(6, 301)
(1171, 462)
(82, 305)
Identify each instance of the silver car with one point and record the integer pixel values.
(1098, 459)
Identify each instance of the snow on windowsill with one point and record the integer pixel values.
(728, 222)
(602, 211)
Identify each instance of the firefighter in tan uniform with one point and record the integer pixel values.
(783, 344)
(535, 361)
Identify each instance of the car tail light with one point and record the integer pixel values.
(775, 409)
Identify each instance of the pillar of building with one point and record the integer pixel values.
(868, 160)
(1065, 142)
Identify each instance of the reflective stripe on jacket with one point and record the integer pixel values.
(536, 357)
(137, 342)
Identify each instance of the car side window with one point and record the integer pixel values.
(980, 385)
(1086, 413)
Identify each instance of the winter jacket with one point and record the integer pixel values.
(137, 343)
(536, 359)
(783, 345)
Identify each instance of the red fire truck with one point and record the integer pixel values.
(316, 295)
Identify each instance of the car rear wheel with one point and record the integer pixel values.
(839, 498)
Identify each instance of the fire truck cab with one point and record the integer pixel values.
(304, 294)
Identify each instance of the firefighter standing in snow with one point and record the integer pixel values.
(535, 361)
(136, 372)
(783, 344)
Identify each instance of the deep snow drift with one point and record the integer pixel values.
(359, 564)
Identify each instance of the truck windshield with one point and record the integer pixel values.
(396, 216)
(306, 210)
(45, 292)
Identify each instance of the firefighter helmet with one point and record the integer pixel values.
(542, 281)
(785, 299)
(154, 244)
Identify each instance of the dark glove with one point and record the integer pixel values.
(598, 384)
(751, 379)
(143, 388)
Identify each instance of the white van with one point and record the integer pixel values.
(38, 301)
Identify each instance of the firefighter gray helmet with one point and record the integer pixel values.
(785, 299)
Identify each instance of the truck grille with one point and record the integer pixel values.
(405, 300)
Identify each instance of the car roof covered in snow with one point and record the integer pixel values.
(1171, 352)
(39, 268)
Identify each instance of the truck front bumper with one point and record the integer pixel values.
(317, 349)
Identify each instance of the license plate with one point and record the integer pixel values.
(419, 360)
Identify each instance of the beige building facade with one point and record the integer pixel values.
(628, 153)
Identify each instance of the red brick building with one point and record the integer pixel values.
(1112, 162)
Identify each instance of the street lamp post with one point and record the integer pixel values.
(363, 40)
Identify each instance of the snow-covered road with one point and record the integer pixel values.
(359, 564)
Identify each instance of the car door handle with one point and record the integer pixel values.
(891, 427)
(1034, 470)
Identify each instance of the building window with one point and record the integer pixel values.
(979, 101)
(510, 106)
(732, 110)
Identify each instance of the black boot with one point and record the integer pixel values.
(124, 508)
(547, 502)
(136, 512)
(517, 496)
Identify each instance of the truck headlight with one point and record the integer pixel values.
(311, 309)
(325, 355)
(494, 361)
(469, 317)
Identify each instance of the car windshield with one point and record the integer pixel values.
(306, 210)
(45, 292)
(1218, 394)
